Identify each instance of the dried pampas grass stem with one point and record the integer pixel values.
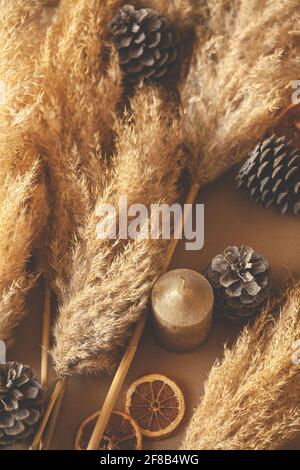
(23, 192)
(81, 89)
(57, 392)
(111, 279)
(116, 385)
(46, 442)
(125, 364)
(251, 398)
(241, 76)
(46, 328)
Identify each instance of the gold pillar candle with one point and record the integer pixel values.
(182, 305)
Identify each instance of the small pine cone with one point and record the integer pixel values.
(147, 44)
(272, 175)
(21, 402)
(241, 280)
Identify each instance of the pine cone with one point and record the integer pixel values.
(241, 280)
(272, 175)
(146, 42)
(21, 402)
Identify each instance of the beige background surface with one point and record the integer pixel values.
(231, 218)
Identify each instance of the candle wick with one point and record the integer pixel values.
(2, 352)
(183, 281)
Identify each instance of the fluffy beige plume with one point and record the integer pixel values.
(248, 54)
(81, 96)
(22, 29)
(251, 398)
(111, 281)
(184, 14)
(23, 214)
(23, 195)
(82, 87)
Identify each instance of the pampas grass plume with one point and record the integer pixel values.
(251, 397)
(246, 57)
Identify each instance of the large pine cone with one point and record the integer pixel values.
(241, 280)
(272, 175)
(21, 402)
(146, 42)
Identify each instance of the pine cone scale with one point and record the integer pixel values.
(154, 40)
(21, 414)
(16, 429)
(234, 290)
(33, 417)
(6, 420)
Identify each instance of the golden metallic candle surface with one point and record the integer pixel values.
(182, 304)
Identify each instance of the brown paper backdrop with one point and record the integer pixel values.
(230, 218)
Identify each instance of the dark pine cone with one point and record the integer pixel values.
(147, 43)
(272, 175)
(241, 280)
(21, 402)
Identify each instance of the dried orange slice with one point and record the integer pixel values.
(122, 433)
(157, 404)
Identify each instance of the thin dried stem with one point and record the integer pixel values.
(46, 336)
